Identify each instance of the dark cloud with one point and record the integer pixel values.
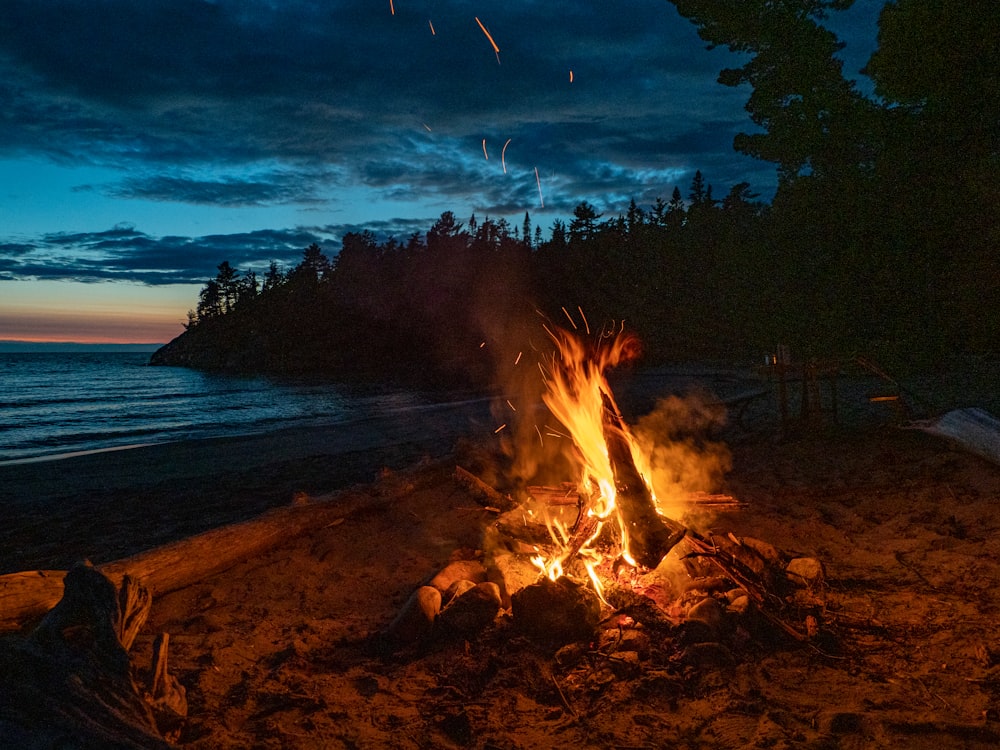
(124, 253)
(269, 188)
(239, 103)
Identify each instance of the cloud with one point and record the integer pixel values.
(155, 87)
(123, 253)
(276, 187)
(313, 104)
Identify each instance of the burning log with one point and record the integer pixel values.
(649, 536)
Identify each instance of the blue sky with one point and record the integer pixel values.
(142, 143)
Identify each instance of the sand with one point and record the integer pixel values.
(279, 651)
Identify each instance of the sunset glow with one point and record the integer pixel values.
(109, 313)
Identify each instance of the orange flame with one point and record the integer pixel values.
(577, 394)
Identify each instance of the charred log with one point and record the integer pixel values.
(651, 536)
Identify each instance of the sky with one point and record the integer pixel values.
(143, 142)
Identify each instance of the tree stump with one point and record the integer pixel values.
(68, 683)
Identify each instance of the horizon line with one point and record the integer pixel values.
(14, 345)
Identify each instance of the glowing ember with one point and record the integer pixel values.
(496, 50)
(503, 153)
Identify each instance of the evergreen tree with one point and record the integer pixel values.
(583, 227)
(812, 117)
(274, 277)
(676, 214)
(228, 283)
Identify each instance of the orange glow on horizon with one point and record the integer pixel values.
(99, 313)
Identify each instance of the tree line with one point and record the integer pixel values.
(882, 237)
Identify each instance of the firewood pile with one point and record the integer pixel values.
(705, 593)
(563, 562)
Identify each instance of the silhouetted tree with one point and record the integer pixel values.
(808, 111)
(274, 277)
(584, 223)
(313, 267)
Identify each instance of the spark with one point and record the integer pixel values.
(434, 33)
(482, 344)
(540, 440)
(484, 150)
(392, 7)
(570, 319)
(511, 405)
(539, 183)
(503, 151)
(496, 50)
(499, 428)
(518, 358)
(585, 323)
(571, 76)
(427, 127)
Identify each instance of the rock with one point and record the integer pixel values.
(515, 571)
(765, 550)
(457, 589)
(740, 605)
(710, 612)
(806, 572)
(416, 619)
(471, 570)
(472, 611)
(626, 664)
(839, 722)
(734, 594)
(705, 655)
(556, 612)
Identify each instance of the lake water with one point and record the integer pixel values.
(58, 404)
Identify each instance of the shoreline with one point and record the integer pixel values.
(107, 505)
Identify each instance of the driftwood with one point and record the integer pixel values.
(26, 596)
(68, 683)
(166, 696)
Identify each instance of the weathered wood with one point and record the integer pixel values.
(68, 684)
(26, 596)
(486, 495)
(167, 697)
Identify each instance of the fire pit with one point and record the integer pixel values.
(567, 559)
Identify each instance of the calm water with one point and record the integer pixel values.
(53, 404)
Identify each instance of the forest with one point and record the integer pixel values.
(882, 238)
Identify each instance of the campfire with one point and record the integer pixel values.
(562, 558)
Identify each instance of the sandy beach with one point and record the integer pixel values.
(282, 651)
(111, 504)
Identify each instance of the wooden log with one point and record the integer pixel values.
(27, 595)
(650, 538)
(486, 495)
(68, 684)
